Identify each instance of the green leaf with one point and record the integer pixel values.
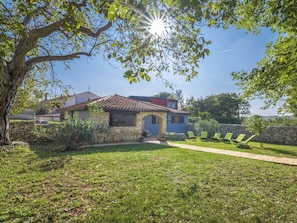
(124, 11)
(112, 12)
(147, 77)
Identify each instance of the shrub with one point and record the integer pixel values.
(175, 136)
(256, 125)
(141, 139)
(42, 133)
(74, 131)
(211, 126)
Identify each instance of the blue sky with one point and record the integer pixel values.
(231, 50)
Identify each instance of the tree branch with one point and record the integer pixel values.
(79, 5)
(9, 12)
(28, 42)
(46, 30)
(41, 59)
(95, 34)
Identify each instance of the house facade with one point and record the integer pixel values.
(80, 98)
(165, 102)
(127, 117)
(49, 113)
(176, 121)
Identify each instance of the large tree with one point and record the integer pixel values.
(35, 33)
(275, 78)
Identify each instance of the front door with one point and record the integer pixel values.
(152, 124)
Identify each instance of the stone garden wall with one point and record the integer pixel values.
(22, 131)
(274, 134)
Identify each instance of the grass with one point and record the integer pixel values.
(142, 183)
(268, 149)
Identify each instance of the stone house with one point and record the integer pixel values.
(127, 117)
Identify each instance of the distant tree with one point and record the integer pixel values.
(256, 125)
(164, 95)
(225, 108)
(281, 121)
(178, 95)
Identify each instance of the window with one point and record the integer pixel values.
(171, 104)
(177, 119)
(155, 120)
(122, 119)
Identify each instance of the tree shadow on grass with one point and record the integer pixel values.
(52, 150)
(285, 152)
(279, 151)
(54, 163)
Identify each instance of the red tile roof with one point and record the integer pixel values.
(120, 103)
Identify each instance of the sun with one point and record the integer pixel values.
(156, 22)
(158, 27)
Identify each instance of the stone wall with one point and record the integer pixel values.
(127, 133)
(23, 131)
(274, 134)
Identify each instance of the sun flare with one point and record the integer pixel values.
(157, 27)
(155, 22)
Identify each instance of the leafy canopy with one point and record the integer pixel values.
(275, 77)
(39, 32)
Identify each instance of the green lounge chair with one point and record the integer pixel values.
(238, 139)
(191, 135)
(249, 139)
(216, 136)
(227, 137)
(203, 135)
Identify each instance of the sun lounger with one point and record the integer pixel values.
(191, 135)
(227, 137)
(238, 139)
(216, 136)
(204, 135)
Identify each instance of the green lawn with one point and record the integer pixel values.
(142, 183)
(268, 149)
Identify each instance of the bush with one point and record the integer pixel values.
(256, 125)
(43, 133)
(175, 136)
(74, 131)
(211, 126)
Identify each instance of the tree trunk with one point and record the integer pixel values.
(9, 84)
(4, 128)
(7, 99)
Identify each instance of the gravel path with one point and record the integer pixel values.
(273, 159)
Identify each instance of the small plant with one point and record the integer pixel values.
(175, 136)
(74, 131)
(162, 138)
(42, 134)
(141, 139)
(256, 125)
